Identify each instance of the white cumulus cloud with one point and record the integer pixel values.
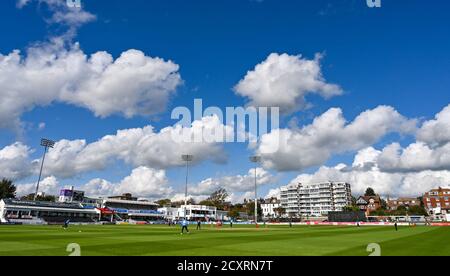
(153, 184)
(48, 185)
(62, 13)
(396, 170)
(436, 132)
(14, 161)
(233, 184)
(133, 84)
(327, 135)
(273, 193)
(136, 147)
(142, 182)
(416, 157)
(430, 151)
(283, 81)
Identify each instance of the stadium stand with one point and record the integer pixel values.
(36, 212)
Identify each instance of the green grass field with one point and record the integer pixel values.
(240, 241)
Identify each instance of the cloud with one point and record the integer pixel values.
(366, 158)
(241, 197)
(180, 197)
(431, 150)
(436, 132)
(58, 71)
(284, 81)
(393, 184)
(396, 170)
(98, 188)
(327, 135)
(14, 161)
(239, 187)
(133, 84)
(49, 186)
(274, 193)
(143, 182)
(62, 13)
(416, 157)
(146, 182)
(153, 184)
(233, 184)
(136, 147)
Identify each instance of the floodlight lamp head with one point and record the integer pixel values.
(255, 159)
(47, 143)
(187, 158)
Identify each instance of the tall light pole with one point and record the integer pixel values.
(46, 143)
(186, 158)
(256, 160)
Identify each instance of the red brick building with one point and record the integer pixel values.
(437, 199)
(369, 204)
(394, 204)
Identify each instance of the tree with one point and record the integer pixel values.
(280, 211)
(354, 200)
(370, 192)
(351, 209)
(239, 207)
(234, 213)
(417, 211)
(164, 202)
(250, 206)
(7, 189)
(220, 195)
(217, 199)
(207, 203)
(45, 198)
(422, 203)
(401, 211)
(384, 204)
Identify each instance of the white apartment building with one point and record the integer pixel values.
(290, 201)
(315, 200)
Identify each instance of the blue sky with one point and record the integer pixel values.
(396, 55)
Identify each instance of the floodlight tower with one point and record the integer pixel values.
(256, 160)
(186, 158)
(46, 143)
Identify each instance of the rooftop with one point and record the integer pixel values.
(26, 203)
